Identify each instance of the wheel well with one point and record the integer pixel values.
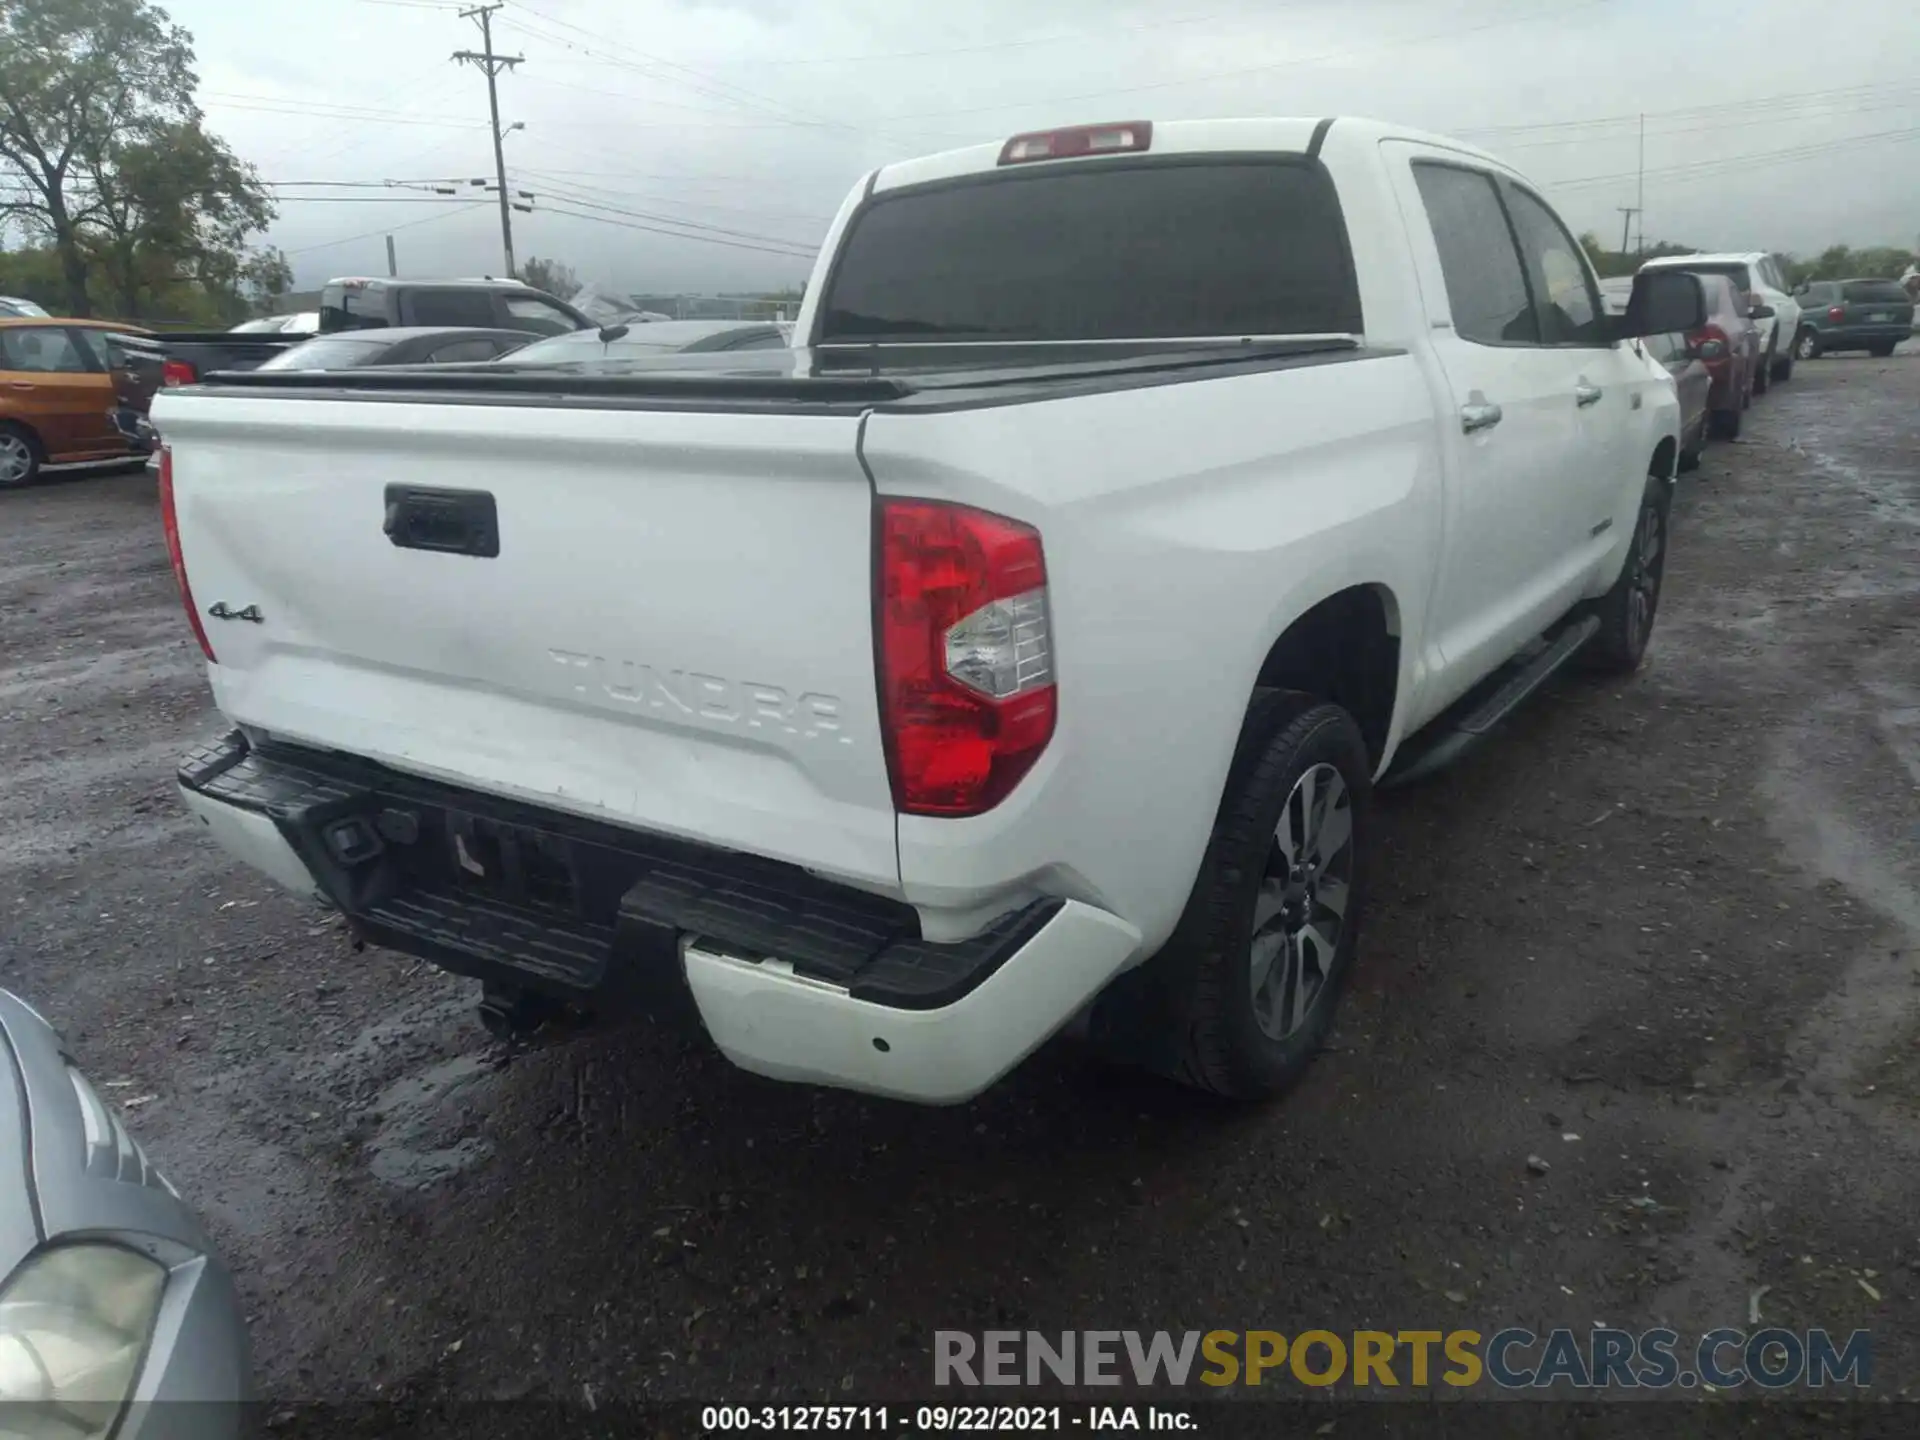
(33, 436)
(1345, 649)
(1666, 456)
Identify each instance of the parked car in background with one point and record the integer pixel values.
(116, 1316)
(400, 345)
(305, 322)
(61, 384)
(1870, 315)
(12, 306)
(1729, 345)
(1756, 275)
(1692, 381)
(640, 341)
(477, 304)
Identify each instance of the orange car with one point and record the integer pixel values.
(60, 385)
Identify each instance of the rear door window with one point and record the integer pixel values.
(1486, 288)
(45, 349)
(1099, 251)
(452, 307)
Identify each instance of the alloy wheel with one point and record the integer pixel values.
(1644, 595)
(16, 458)
(1300, 912)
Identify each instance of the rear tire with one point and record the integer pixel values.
(1763, 373)
(1725, 424)
(1689, 461)
(20, 456)
(1243, 994)
(1782, 368)
(1881, 349)
(1807, 347)
(1628, 610)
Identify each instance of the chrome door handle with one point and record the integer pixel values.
(1585, 394)
(1479, 416)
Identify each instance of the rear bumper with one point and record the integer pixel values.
(1858, 337)
(791, 976)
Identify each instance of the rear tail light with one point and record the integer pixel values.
(1113, 139)
(1836, 313)
(178, 372)
(1709, 343)
(967, 692)
(170, 523)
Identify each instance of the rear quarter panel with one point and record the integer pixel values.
(1185, 526)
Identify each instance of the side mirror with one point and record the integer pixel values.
(1663, 302)
(1760, 312)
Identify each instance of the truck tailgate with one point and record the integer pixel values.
(675, 632)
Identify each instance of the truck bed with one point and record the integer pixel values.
(823, 380)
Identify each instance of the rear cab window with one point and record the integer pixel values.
(352, 305)
(1172, 248)
(452, 307)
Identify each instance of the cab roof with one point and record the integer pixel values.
(1279, 135)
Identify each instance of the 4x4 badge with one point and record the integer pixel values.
(220, 610)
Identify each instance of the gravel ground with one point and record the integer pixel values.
(1676, 918)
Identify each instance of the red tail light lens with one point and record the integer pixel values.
(170, 523)
(967, 694)
(1709, 343)
(178, 372)
(1836, 313)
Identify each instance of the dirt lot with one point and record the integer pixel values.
(1663, 936)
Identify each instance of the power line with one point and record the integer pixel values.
(1756, 102)
(795, 254)
(691, 225)
(386, 230)
(1735, 162)
(556, 180)
(1451, 33)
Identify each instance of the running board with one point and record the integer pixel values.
(1471, 719)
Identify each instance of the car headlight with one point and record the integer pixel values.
(74, 1323)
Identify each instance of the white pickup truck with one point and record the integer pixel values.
(1018, 652)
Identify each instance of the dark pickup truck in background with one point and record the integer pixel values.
(187, 357)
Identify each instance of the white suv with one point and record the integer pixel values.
(1756, 275)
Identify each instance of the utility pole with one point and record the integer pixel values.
(1640, 199)
(492, 64)
(1627, 213)
(392, 267)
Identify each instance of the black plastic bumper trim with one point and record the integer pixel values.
(577, 908)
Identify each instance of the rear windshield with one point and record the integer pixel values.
(1736, 273)
(352, 307)
(1100, 251)
(1870, 292)
(326, 354)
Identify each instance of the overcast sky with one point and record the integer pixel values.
(1769, 125)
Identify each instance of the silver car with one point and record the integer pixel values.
(116, 1317)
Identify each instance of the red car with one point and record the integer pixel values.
(1729, 346)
